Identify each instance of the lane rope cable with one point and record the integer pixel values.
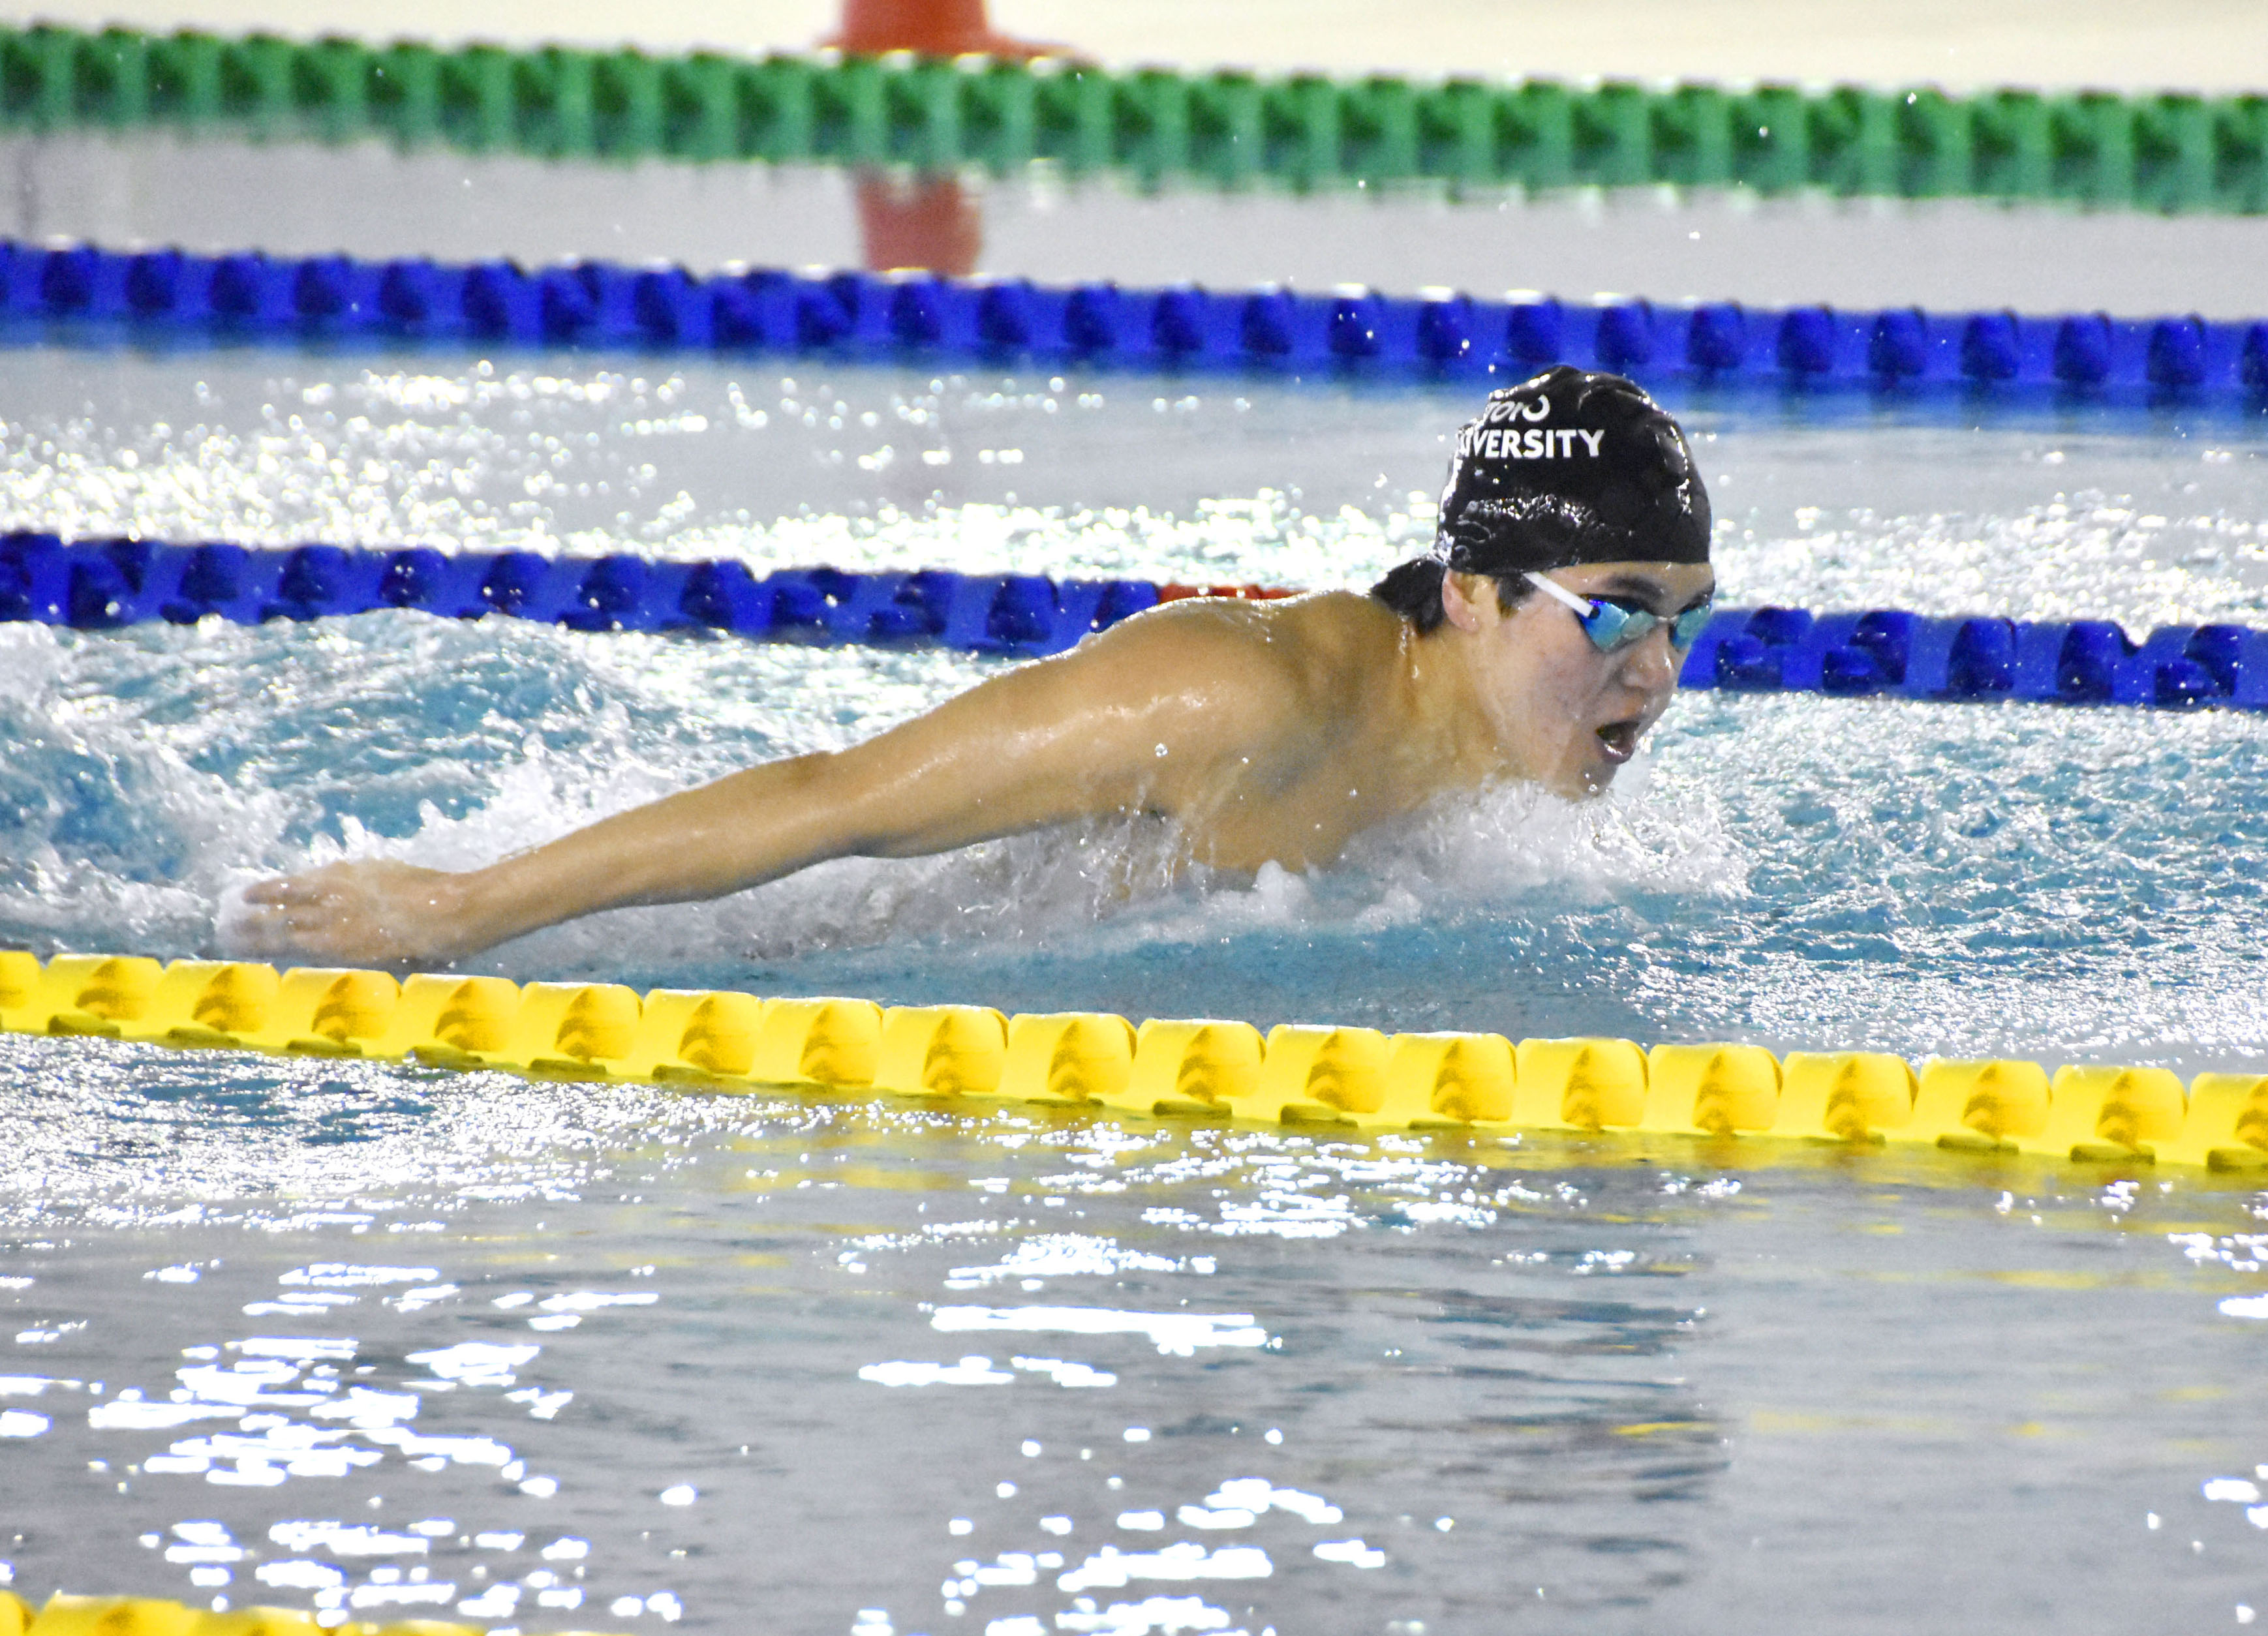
(104, 584)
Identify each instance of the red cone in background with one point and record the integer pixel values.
(932, 28)
(930, 222)
(919, 221)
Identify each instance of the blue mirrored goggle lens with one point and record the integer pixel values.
(1610, 626)
(1613, 625)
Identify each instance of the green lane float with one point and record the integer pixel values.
(2172, 152)
(1354, 1079)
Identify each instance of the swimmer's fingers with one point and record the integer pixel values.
(323, 889)
(298, 916)
(269, 931)
(301, 912)
(277, 892)
(325, 884)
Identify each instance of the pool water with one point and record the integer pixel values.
(394, 1342)
(300, 1333)
(374, 201)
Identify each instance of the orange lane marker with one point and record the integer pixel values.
(934, 28)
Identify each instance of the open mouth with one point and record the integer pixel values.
(1618, 740)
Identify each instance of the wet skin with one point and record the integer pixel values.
(1269, 731)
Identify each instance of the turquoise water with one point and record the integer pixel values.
(1644, 1390)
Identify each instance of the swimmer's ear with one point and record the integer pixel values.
(1469, 601)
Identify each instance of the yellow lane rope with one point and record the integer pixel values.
(1314, 1077)
(145, 1616)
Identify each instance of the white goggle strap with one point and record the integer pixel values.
(1558, 593)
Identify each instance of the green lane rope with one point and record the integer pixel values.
(2171, 152)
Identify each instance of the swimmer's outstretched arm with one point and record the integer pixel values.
(1076, 736)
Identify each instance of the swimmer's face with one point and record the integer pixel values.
(1564, 714)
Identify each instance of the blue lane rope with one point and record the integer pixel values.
(1883, 650)
(103, 584)
(251, 297)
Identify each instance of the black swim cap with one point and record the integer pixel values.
(1571, 467)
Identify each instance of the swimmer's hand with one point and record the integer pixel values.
(372, 913)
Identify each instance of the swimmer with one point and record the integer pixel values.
(1538, 640)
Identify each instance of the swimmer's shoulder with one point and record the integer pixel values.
(1305, 651)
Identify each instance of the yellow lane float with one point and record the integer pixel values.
(1205, 1069)
(149, 1616)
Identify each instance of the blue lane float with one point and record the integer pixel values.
(104, 584)
(157, 295)
(1913, 656)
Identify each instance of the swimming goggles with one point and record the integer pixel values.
(1613, 624)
